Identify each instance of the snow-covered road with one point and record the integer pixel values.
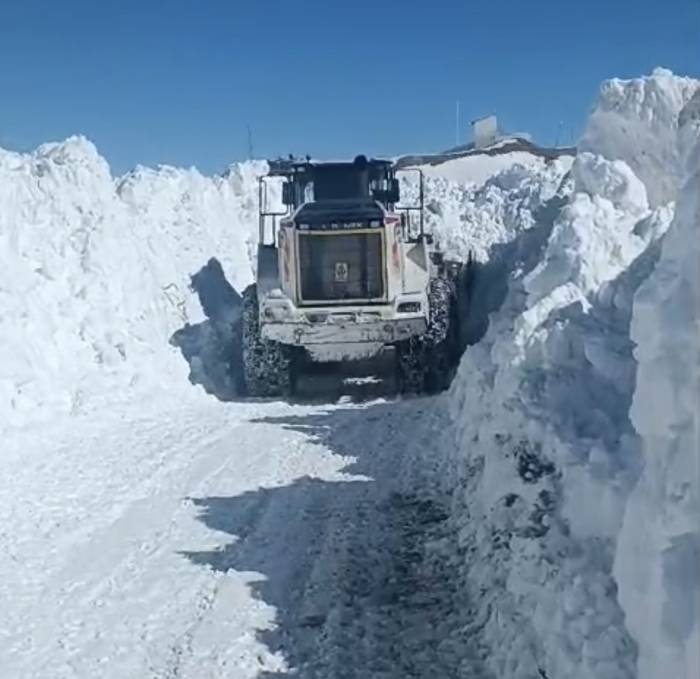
(202, 539)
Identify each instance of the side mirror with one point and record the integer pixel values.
(288, 193)
(393, 194)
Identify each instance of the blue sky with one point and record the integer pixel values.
(179, 81)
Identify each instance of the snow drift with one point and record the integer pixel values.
(561, 454)
(96, 271)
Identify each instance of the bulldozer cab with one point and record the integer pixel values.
(315, 182)
(358, 186)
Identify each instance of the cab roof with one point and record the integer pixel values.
(286, 167)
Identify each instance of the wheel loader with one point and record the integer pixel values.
(345, 274)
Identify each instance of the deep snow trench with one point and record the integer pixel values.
(164, 530)
(538, 520)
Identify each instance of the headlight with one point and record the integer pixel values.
(276, 312)
(409, 307)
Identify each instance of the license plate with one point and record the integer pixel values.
(341, 272)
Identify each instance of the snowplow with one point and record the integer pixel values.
(346, 274)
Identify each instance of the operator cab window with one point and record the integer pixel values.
(341, 183)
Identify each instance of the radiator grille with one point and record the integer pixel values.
(341, 266)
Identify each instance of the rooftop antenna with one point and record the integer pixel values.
(250, 142)
(457, 124)
(560, 129)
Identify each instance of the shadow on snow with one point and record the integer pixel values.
(345, 562)
(212, 347)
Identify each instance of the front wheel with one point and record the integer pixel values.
(268, 366)
(425, 364)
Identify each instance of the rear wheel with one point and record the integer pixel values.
(410, 365)
(268, 366)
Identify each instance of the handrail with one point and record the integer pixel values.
(421, 198)
(263, 212)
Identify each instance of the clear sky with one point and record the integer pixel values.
(179, 81)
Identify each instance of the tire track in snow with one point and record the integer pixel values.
(310, 556)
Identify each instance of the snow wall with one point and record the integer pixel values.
(658, 558)
(109, 282)
(576, 434)
(96, 272)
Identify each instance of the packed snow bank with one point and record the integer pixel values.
(468, 217)
(546, 452)
(657, 564)
(478, 168)
(471, 165)
(96, 271)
